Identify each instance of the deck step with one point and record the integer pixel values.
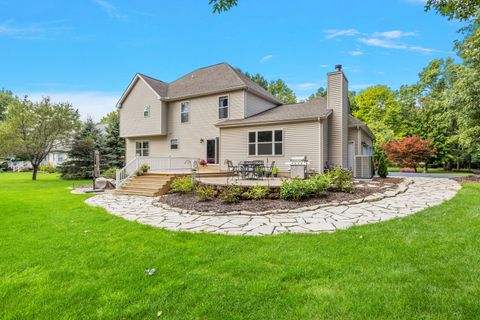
(146, 185)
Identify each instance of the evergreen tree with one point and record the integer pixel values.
(114, 145)
(80, 157)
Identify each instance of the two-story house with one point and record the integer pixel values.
(217, 113)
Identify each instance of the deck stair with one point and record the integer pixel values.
(149, 184)
(156, 184)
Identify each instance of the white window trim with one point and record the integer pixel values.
(142, 148)
(256, 155)
(147, 109)
(227, 107)
(178, 144)
(188, 112)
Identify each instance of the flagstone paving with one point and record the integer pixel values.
(422, 193)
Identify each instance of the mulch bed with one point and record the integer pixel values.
(472, 178)
(362, 190)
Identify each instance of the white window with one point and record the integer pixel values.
(265, 143)
(174, 144)
(223, 107)
(142, 148)
(185, 108)
(146, 111)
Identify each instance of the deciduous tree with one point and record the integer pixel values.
(408, 152)
(34, 129)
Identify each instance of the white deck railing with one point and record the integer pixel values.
(166, 164)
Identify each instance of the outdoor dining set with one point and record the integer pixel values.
(252, 169)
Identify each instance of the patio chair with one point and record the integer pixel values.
(231, 167)
(269, 169)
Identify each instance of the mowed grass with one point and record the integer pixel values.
(461, 172)
(62, 259)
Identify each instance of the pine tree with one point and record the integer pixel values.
(114, 145)
(80, 157)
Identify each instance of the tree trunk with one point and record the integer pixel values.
(34, 173)
(415, 168)
(426, 167)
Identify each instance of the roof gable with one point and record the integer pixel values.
(158, 87)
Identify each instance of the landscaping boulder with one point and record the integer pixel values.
(104, 183)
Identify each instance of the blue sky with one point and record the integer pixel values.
(87, 51)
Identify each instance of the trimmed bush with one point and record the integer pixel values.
(257, 192)
(382, 168)
(340, 180)
(231, 194)
(47, 169)
(204, 193)
(321, 183)
(297, 189)
(182, 185)
(110, 173)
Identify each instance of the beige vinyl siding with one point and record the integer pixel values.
(337, 100)
(324, 139)
(359, 136)
(203, 115)
(254, 104)
(299, 139)
(132, 121)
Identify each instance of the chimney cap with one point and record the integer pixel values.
(338, 67)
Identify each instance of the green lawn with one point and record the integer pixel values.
(435, 171)
(423, 266)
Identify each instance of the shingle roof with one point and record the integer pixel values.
(287, 112)
(354, 122)
(158, 86)
(207, 80)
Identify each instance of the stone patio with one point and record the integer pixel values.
(420, 194)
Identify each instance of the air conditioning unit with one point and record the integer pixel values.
(363, 167)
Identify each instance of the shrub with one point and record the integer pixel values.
(297, 189)
(274, 171)
(47, 169)
(182, 185)
(382, 168)
(110, 173)
(145, 167)
(257, 192)
(320, 183)
(138, 172)
(340, 180)
(231, 194)
(204, 193)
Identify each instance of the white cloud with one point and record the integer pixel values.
(111, 10)
(324, 66)
(89, 103)
(333, 33)
(48, 30)
(394, 34)
(389, 44)
(266, 58)
(305, 86)
(355, 53)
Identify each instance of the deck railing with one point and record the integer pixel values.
(166, 164)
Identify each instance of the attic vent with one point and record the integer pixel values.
(193, 76)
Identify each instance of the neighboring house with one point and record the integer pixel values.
(217, 113)
(56, 157)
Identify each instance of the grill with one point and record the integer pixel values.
(298, 167)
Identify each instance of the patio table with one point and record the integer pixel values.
(251, 169)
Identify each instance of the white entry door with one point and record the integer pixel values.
(351, 154)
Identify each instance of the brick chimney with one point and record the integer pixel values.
(337, 100)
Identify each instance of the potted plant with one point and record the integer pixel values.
(144, 168)
(203, 163)
(275, 171)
